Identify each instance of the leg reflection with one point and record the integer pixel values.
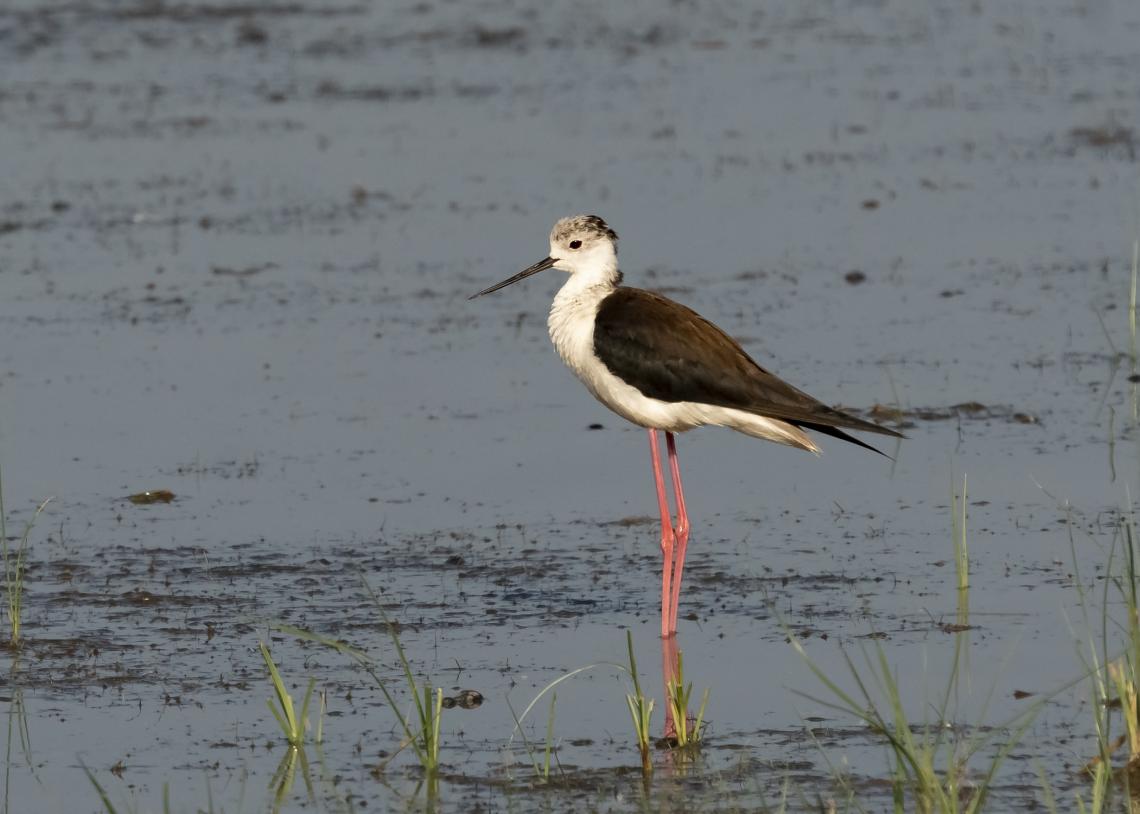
(669, 654)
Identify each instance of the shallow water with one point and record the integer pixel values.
(236, 243)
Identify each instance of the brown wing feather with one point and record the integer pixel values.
(672, 353)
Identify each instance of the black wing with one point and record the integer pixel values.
(672, 353)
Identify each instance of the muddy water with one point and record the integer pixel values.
(235, 247)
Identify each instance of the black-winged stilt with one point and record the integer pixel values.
(664, 367)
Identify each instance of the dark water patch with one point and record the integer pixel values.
(331, 90)
(1111, 138)
(209, 12)
(968, 410)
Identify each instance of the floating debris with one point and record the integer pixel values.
(464, 699)
(248, 271)
(1106, 137)
(155, 496)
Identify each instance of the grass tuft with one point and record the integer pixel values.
(679, 694)
(929, 773)
(292, 725)
(640, 709)
(15, 569)
(929, 769)
(421, 730)
(429, 710)
(1115, 675)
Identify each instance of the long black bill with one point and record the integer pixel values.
(541, 265)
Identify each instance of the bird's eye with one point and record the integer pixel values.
(575, 244)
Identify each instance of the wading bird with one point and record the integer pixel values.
(664, 367)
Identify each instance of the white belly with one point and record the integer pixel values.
(571, 325)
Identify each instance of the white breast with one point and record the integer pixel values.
(571, 324)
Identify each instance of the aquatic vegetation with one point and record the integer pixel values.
(292, 725)
(640, 709)
(961, 547)
(1113, 667)
(928, 770)
(109, 805)
(639, 706)
(688, 731)
(550, 750)
(281, 784)
(549, 738)
(429, 707)
(102, 792)
(19, 735)
(1124, 671)
(1099, 768)
(679, 694)
(429, 712)
(421, 733)
(15, 568)
(1132, 308)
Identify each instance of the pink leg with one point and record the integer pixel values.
(680, 531)
(666, 537)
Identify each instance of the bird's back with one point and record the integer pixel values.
(671, 353)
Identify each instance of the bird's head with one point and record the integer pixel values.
(578, 244)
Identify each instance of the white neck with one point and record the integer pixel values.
(580, 287)
(599, 271)
(571, 320)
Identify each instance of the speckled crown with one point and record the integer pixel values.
(576, 224)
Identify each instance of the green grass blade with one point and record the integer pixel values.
(549, 737)
(701, 714)
(319, 734)
(304, 721)
(103, 797)
(526, 741)
(438, 721)
(286, 715)
(421, 708)
(552, 685)
(632, 663)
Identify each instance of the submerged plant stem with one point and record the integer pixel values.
(15, 569)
